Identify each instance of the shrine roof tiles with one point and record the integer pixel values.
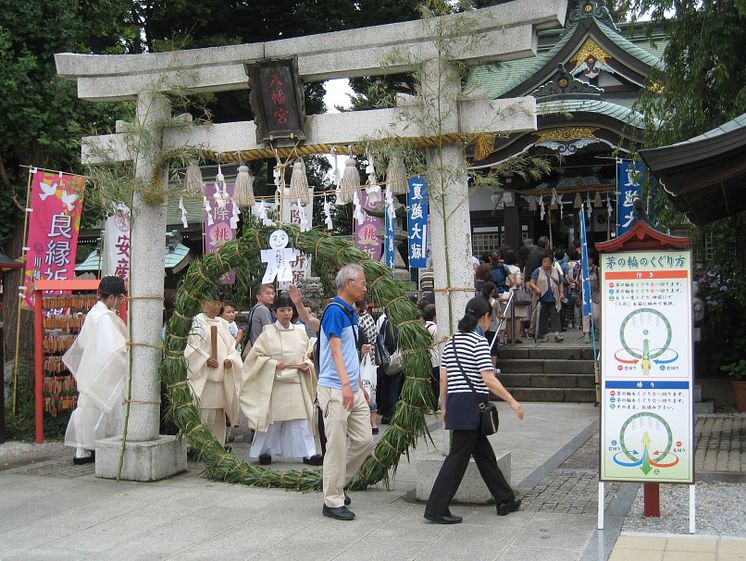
(638, 52)
(737, 123)
(613, 110)
(497, 80)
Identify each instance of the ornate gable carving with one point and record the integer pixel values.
(564, 84)
(590, 9)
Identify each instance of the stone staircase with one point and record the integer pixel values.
(548, 372)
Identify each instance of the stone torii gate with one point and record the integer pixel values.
(511, 31)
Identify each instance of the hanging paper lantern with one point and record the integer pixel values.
(396, 176)
(194, 185)
(243, 191)
(299, 183)
(350, 182)
(578, 202)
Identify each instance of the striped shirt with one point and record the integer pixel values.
(474, 355)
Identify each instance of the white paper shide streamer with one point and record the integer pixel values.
(328, 214)
(183, 210)
(357, 210)
(208, 211)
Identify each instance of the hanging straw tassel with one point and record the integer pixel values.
(194, 185)
(396, 176)
(299, 183)
(578, 201)
(597, 202)
(350, 182)
(532, 204)
(243, 191)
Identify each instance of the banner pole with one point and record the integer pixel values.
(20, 298)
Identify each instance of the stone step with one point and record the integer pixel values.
(573, 395)
(547, 380)
(546, 351)
(535, 365)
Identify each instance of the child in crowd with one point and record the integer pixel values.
(228, 313)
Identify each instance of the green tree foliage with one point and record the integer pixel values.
(42, 118)
(704, 85)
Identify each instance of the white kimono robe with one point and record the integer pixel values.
(279, 405)
(98, 360)
(215, 388)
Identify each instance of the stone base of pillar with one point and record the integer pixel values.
(472, 489)
(143, 461)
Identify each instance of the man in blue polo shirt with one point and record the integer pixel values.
(341, 399)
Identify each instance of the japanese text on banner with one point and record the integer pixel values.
(629, 180)
(366, 234)
(56, 204)
(221, 230)
(417, 211)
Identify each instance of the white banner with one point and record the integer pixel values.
(116, 258)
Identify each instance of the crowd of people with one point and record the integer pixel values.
(536, 292)
(299, 379)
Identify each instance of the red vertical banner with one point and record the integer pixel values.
(366, 234)
(55, 207)
(221, 221)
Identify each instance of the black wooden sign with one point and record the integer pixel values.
(277, 100)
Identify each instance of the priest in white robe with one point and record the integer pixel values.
(214, 369)
(98, 359)
(279, 386)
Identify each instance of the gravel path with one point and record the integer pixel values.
(721, 510)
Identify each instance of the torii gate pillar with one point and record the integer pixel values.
(148, 456)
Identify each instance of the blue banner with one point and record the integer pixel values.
(417, 209)
(584, 264)
(390, 239)
(629, 176)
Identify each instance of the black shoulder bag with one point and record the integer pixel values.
(489, 421)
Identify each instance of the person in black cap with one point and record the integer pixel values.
(466, 378)
(98, 359)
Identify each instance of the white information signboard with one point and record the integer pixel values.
(647, 424)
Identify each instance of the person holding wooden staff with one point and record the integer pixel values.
(214, 368)
(279, 386)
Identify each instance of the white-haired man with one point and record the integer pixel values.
(341, 398)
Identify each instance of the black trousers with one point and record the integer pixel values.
(467, 443)
(549, 319)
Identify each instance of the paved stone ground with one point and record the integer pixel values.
(572, 487)
(720, 443)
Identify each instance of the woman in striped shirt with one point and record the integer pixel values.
(467, 354)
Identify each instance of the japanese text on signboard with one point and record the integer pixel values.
(56, 203)
(417, 213)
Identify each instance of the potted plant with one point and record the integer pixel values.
(737, 371)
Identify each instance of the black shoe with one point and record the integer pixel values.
(81, 461)
(385, 420)
(265, 459)
(315, 460)
(228, 448)
(348, 500)
(338, 513)
(503, 509)
(443, 518)
(374, 430)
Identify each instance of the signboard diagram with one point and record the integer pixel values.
(646, 416)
